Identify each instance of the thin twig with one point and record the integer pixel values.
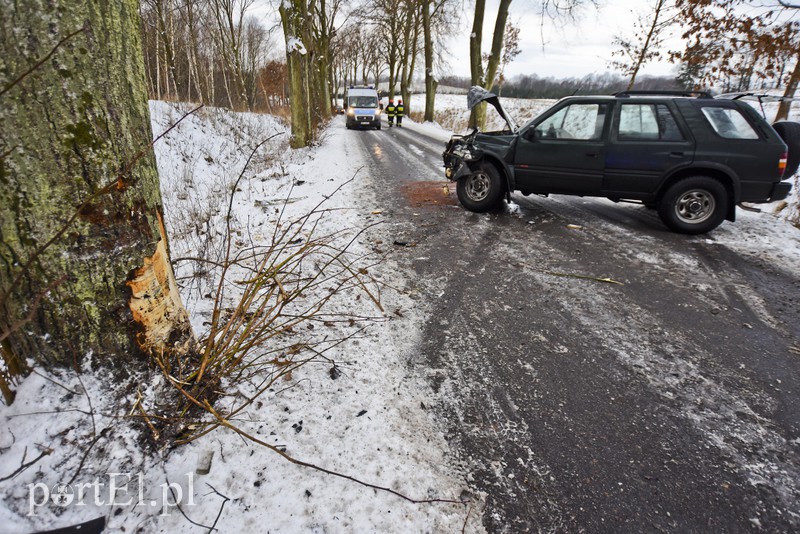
(466, 519)
(25, 465)
(322, 469)
(89, 400)
(178, 506)
(581, 277)
(62, 386)
(86, 454)
(40, 62)
(571, 275)
(219, 513)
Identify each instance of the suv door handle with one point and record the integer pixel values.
(592, 154)
(676, 154)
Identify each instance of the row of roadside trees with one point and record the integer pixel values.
(732, 44)
(224, 52)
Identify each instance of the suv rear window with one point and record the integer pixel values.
(647, 122)
(729, 123)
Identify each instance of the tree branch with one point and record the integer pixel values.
(26, 465)
(40, 62)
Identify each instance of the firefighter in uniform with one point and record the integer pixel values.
(390, 112)
(399, 112)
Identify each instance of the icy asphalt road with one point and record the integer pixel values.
(666, 402)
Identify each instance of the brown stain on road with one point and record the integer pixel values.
(429, 193)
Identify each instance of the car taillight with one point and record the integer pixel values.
(782, 163)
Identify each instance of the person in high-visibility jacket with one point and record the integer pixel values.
(399, 111)
(391, 110)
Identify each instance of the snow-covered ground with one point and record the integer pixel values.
(364, 417)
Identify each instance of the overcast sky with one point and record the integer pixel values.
(573, 49)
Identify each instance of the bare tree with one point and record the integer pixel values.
(650, 30)
(435, 14)
(742, 40)
(511, 50)
(389, 21)
(409, 48)
(163, 20)
(230, 19)
(256, 41)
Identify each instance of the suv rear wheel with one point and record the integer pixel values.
(694, 205)
(482, 190)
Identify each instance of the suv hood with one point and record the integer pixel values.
(478, 94)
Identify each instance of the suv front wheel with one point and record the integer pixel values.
(694, 205)
(482, 190)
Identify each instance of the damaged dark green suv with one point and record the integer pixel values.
(691, 156)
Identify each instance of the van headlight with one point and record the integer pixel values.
(351, 112)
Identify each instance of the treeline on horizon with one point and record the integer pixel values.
(533, 86)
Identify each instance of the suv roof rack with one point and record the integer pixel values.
(696, 94)
(761, 97)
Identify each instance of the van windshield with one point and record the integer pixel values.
(363, 101)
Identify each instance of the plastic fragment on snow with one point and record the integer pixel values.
(204, 462)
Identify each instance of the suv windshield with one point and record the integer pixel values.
(363, 102)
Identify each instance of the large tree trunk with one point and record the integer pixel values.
(791, 88)
(497, 44)
(322, 74)
(430, 80)
(479, 77)
(475, 60)
(84, 265)
(293, 18)
(408, 54)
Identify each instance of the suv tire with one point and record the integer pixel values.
(790, 133)
(694, 205)
(482, 190)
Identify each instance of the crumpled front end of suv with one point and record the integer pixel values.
(464, 152)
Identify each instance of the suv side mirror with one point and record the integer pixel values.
(532, 135)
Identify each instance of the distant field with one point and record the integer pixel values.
(452, 113)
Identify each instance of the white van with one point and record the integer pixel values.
(362, 107)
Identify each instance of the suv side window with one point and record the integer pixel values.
(647, 122)
(729, 123)
(576, 121)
